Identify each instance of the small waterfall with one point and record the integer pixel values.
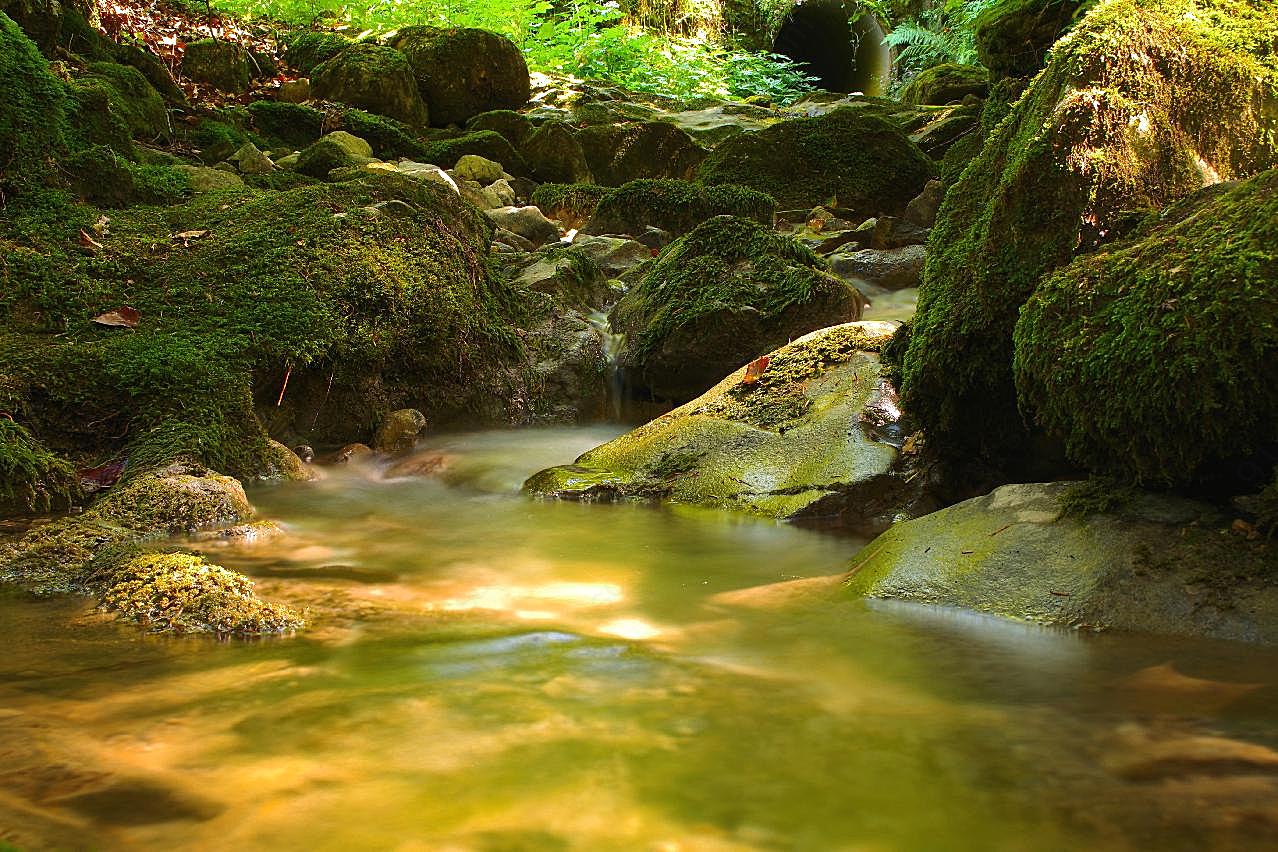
(612, 343)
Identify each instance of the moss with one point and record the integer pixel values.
(217, 140)
(133, 99)
(296, 125)
(32, 109)
(850, 157)
(618, 154)
(305, 50)
(571, 203)
(676, 206)
(185, 594)
(1151, 358)
(32, 479)
(1120, 123)
(493, 146)
(463, 72)
(224, 65)
(514, 126)
(372, 77)
(1097, 496)
(388, 137)
(947, 83)
(100, 175)
(1013, 36)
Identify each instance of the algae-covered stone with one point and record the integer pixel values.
(849, 156)
(32, 478)
(336, 150)
(305, 50)
(1141, 104)
(724, 294)
(947, 83)
(398, 432)
(1152, 565)
(224, 65)
(372, 77)
(571, 204)
(618, 154)
(675, 206)
(554, 155)
(1153, 358)
(800, 441)
(1013, 36)
(464, 72)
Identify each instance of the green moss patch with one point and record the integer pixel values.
(32, 479)
(676, 206)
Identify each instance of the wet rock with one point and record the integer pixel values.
(890, 269)
(335, 150)
(463, 72)
(349, 454)
(614, 255)
(479, 169)
(373, 77)
(223, 65)
(283, 463)
(566, 354)
(922, 210)
(780, 445)
(527, 222)
(569, 274)
(399, 431)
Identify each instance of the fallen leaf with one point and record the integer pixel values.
(187, 236)
(104, 476)
(121, 317)
(755, 369)
(88, 243)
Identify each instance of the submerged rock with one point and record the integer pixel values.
(1153, 565)
(800, 440)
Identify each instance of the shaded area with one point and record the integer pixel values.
(844, 54)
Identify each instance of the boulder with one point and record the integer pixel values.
(295, 125)
(527, 222)
(464, 72)
(887, 269)
(922, 210)
(205, 179)
(484, 143)
(569, 274)
(133, 99)
(946, 84)
(1013, 36)
(614, 255)
(1152, 358)
(479, 195)
(572, 204)
(427, 172)
(513, 125)
(372, 77)
(724, 294)
(675, 206)
(554, 155)
(399, 431)
(307, 49)
(251, 161)
(294, 91)
(801, 440)
(223, 65)
(618, 154)
(479, 169)
(36, 107)
(1102, 136)
(1152, 564)
(851, 157)
(335, 150)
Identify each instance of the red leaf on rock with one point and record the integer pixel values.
(105, 476)
(755, 369)
(121, 317)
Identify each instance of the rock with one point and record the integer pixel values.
(922, 210)
(223, 65)
(784, 446)
(939, 135)
(713, 125)
(1012, 38)
(1148, 566)
(569, 274)
(205, 179)
(946, 84)
(719, 297)
(285, 464)
(891, 269)
(1144, 357)
(42, 482)
(1098, 140)
(427, 172)
(485, 143)
(566, 354)
(527, 222)
(855, 158)
(294, 91)
(289, 161)
(513, 242)
(335, 150)
(614, 255)
(350, 454)
(481, 196)
(306, 49)
(372, 77)
(571, 205)
(505, 193)
(510, 124)
(554, 155)
(618, 154)
(295, 125)
(399, 431)
(463, 72)
(479, 169)
(133, 99)
(251, 161)
(675, 206)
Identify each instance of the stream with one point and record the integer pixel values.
(490, 672)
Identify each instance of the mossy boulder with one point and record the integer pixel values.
(566, 273)
(724, 294)
(947, 83)
(336, 150)
(1152, 358)
(1141, 104)
(40, 20)
(153, 69)
(32, 478)
(676, 207)
(618, 154)
(33, 109)
(464, 72)
(513, 125)
(798, 442)
(484, 143)
(133, 99)
(850, 157)
(372, 77)
(554, 155)
(224, 65)
(296, 125)
(1013, 36)
(101, 176)
(571, 204)
(1156, 564)
(305, 50)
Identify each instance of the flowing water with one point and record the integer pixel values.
(489, 672)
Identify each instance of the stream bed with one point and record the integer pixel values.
(490, 672)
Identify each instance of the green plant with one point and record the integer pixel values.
(943, 33)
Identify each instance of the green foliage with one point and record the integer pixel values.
(942, 33)
(32, 479)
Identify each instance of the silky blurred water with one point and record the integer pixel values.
(491, 672)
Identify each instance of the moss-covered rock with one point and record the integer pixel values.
(389, 138)
(32, 479)
(1156, 564)
(33, 109)
(568, 274)
(1013, 36)
(464, 72)
(1143, 103)
(849, 156)
(336, 150)
(675, 206)
(296, 125)
(801, 441)
(153, 69)
(100, 175)
(133, 99)
(372, 77)
(571, 204)
(724, 294)
(305, 50)
(484, 143)
(554, 155)
(1152, 357)
(947, 83)
(618, 154)
(513, 125)
(224, 65)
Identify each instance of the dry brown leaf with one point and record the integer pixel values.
(121, 317)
